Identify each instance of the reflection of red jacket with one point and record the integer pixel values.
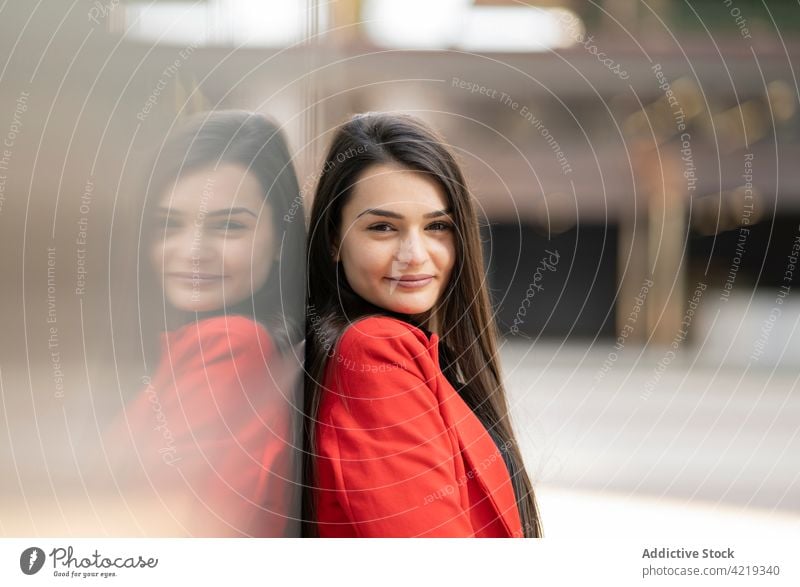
(399, 452)
(213, 426)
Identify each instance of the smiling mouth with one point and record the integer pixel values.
(410, 283)
(196, 277)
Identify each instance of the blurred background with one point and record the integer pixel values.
(635, 165)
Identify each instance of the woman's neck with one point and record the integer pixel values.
(433, 324)
(426, 320)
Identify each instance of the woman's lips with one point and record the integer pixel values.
(196, 278)
(412, 282)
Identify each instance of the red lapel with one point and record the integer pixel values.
(480, 452)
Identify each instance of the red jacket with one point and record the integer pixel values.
(400, 454)
(213, 428)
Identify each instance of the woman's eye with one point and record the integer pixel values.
(441, 226)
(231, 226)
(381, 227)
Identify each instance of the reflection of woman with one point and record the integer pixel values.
(214, 421)
(407, 425)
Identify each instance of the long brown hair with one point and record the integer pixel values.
(468, 339)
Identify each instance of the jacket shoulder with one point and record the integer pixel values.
(378, 354)
(386, 332)
(222, 336)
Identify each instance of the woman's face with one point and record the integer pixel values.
(397, 239)
(214, 245)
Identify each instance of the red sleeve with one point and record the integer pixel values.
(234, 442)
(387, 443)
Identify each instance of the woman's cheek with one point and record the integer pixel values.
(379, 257)
(356, 252)
(238, 253)
(445, 253)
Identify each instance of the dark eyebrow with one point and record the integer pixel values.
(232, 211)
(390, 214)
(223, 212)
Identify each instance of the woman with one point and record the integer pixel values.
(407, 428)
(212, 430)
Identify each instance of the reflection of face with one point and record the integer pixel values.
(397, 239)
(214, 246)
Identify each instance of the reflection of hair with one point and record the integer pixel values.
(468, 340)
(231, 136)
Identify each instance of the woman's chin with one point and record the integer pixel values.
(185, 305)
(409, 309)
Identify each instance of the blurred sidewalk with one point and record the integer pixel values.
(585, 514)
(707, 442)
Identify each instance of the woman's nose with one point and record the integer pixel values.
(411, 250)
(194, 242)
